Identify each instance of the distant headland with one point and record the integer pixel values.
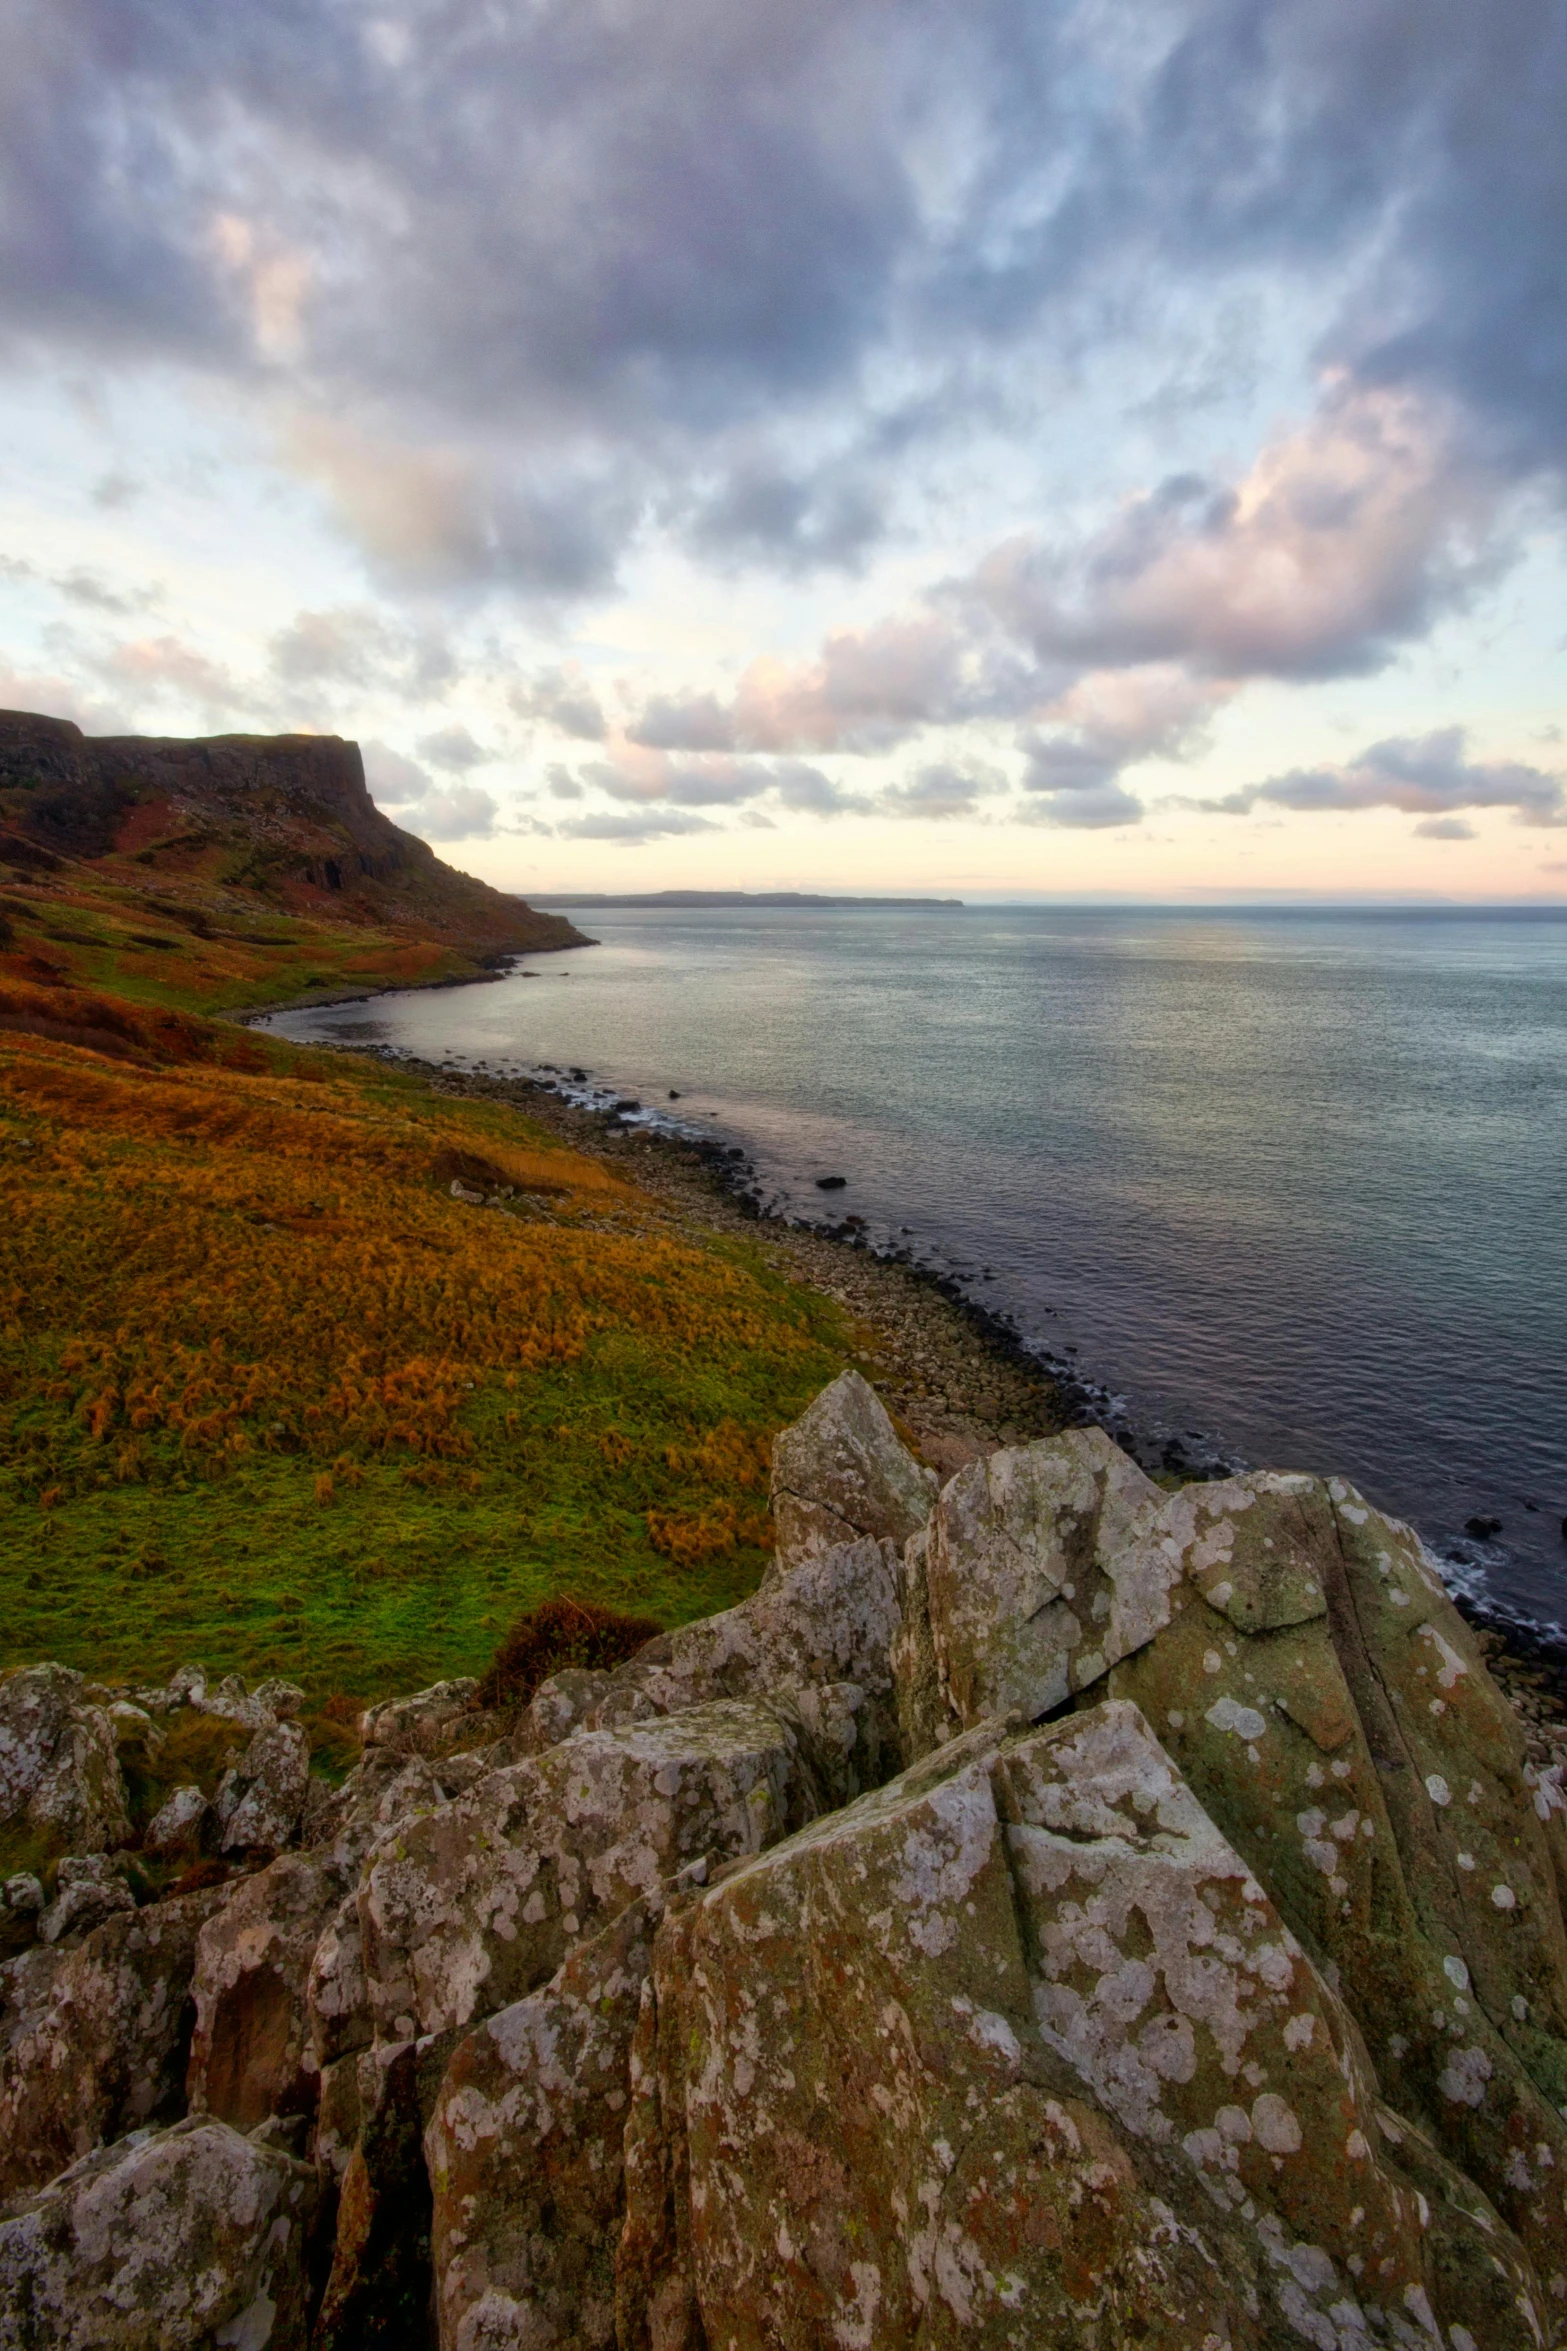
(728, 898)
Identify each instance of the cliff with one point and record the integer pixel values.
(1050, 1910)
(284, 817)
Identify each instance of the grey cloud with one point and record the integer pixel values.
(460, 813)
(698, 723)
(354, 646)
(648, 824)
(1349, 536)
(393, 778)
(941, 790)
(1082, 808)
(454, 748)
(561, 266)
(1445, 828)
(563, 785)
(1428, 775)
(563, 699)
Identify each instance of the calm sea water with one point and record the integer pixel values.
(1290, 1183)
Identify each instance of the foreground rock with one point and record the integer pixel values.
(798, 1985)
(1334, 1715)
(188, 2237)
(96, 2037)
(525, 2154)
(480, 1901)
(840, 1473)
(1019, 2049)
(59, 1770)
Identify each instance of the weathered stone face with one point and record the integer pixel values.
(1016, 2049)
(525, 2154)
(1364, 1763)
(421, 1725)
(1031, 1582)
(258, 1804)
(185, 2238)
(58, 1762)
(251, 2052)
(825, 1626)
(840, 1473)
(96, 2037)
(477, 1904)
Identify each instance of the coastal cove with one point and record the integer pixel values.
(1287, 1183)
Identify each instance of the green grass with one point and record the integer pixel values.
(391, 1584)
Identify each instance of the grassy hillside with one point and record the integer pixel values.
(272, 1397)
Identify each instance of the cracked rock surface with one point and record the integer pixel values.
(1053, 1910)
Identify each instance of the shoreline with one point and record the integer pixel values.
(959, 1375)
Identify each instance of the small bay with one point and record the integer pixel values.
(1289, 1182)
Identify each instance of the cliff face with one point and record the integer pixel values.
(287, 816)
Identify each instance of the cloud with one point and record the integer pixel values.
(441, 516)
(1427, 775)
(453, 747)
(942, 790)
(1346, 538)
(530, 277)
(460, 812)
(353, 646)
(633, 772)
(1445, 828)
(562, 699)
(645, 825)
(1085, 807)
(394, 779)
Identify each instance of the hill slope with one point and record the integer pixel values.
(283, 818)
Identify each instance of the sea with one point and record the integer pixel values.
(1280, 1187)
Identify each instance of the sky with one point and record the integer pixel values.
(994, 447)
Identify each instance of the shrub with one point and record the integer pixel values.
(559, 1633)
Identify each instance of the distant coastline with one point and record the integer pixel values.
(690, 898)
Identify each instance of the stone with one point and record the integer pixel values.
(825, 1626)
(96, 2037)
(559, 1706)
(184, 2239)
(524, 2152)
(181, 1824)
(58, 1766)
(1030, 1582)
(424, 1723)
(1017, 2050)
(477, 1904)
(232, 1702)
(283, 1700)
(252, 2048)
(88, 1889)
(1365, 1765)
(840, 1472)
(379, 2286)
(259, 1802)
(24, 1894)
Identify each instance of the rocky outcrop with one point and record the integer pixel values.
(1017, 2046)
(478, 1902)
(184, 2238)
(1333, 1714)
(59, 1769)
(840, 1473)
(96, 2036)
(525, 2153)
(1026, 1585)
(1051, 1911)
